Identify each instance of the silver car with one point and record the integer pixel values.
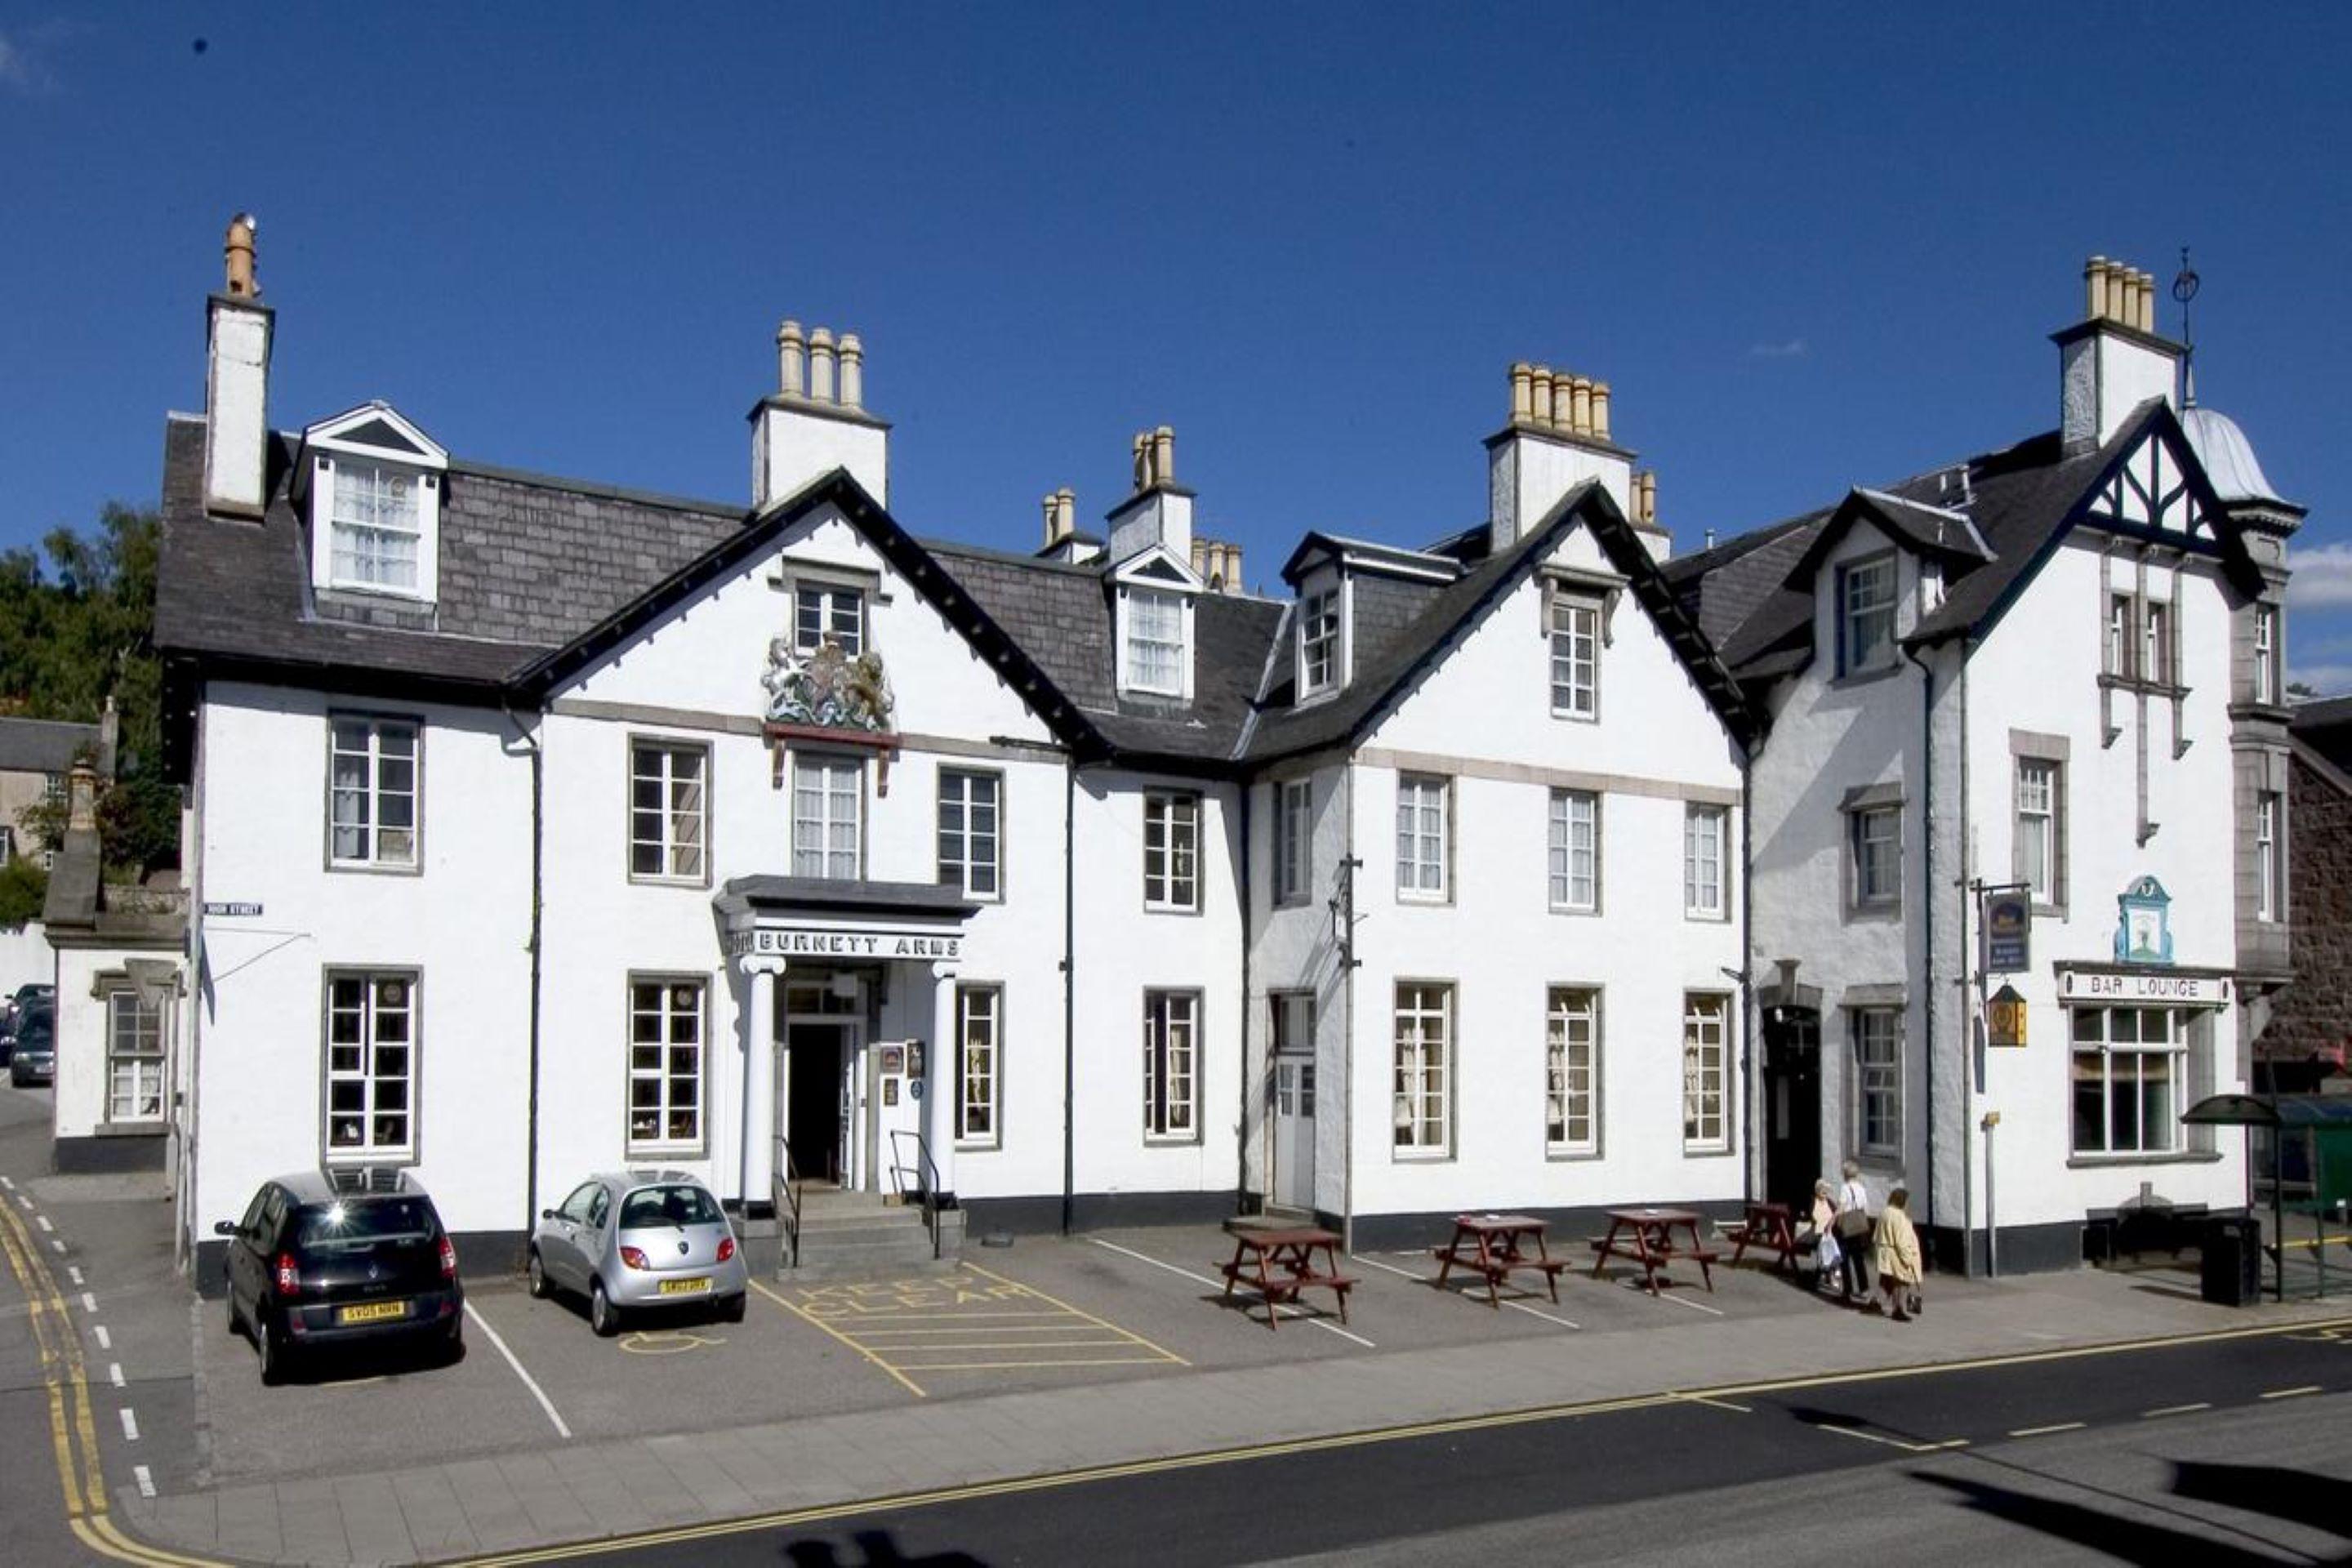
(632, 1239)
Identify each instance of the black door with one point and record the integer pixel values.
(813, 1120)
(1792, 1105)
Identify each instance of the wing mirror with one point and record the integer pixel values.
(549, 1213)
(227, 1228)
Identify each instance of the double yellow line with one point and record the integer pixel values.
(73, 1430)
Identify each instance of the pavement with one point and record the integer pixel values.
(1051, 1358)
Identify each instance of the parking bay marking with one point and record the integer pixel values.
(1432, 1280)
(528, 1381)
(1299, 1313)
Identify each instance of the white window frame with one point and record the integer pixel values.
(1573, 852)
(1857, 579)
(1294, 839)
(971, 855)
(134, 1047)
(1874, 857)
(2096, 1055)
(1575, 637)
(1171, 852)
(7, 844)
(1318, 643)
(1706, 840)
(2156, 643)
(369, 548)
(814, 854)
(980, 1066)
(1572, 1071)
(1424, 832)
(1171, 1067)
(2123, 635)
(2270, 863)
(354, 1130)
(2041, 820)
(1423, 1083)
(827, 610)
(377, 789)
(676, 829)
(669, 1022)
(2267, 687)
(1149, 644)
(1875, 1035)
(1707, 1067)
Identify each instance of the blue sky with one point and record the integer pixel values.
(1808, 246)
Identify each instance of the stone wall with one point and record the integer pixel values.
(2315, 1014)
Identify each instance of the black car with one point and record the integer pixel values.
(33, 1054)
(336, 1259)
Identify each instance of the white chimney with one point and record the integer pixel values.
(816, 421)
(236, 385)
(2112, 360)
(1552, 444)
(1160, 509)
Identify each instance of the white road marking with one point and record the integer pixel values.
(1892, 1442)
(1718, 1404)
(114, 1373)
(1670, 1296)
(88, 1302)
(1219, 1285)
(130, 1425)
(1432, 1280)
(4, 1182)
(2175, 1410)
(146, 1479)
(528, 1381)
(59, 1247)
(2037, 1334)
(75, 1274)
(43, 1221)
(105, 1340)
(2045, 1431)
(2291, 1392)
(25, 1201)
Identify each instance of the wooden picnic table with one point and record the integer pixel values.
(1767, 1227)
(1492, 1244)
(1646, 1235)
(1279, 1264)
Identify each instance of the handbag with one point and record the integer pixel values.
(1853, 1226)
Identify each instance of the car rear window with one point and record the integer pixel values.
(669, 1205)
(355, 1220)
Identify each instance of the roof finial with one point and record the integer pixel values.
(2184, 289)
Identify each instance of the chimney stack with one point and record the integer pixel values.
(815, 420)
(1559, 438)
(1159, 512)
(1063, 542)
(2112, 360)
(236, 383)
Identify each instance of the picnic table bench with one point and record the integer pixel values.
(1491, 1245)
(1646, 1238)
(1279, 1264)
(1768, 1227)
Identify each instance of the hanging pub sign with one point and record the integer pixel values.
(2007, 925)
(2005, 1019)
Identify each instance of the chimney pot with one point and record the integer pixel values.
(1580, 417)
(81, 799)
(1053, 518)
(1522, 393)
(1649, 495)
(1199, 558)
(1163, 455)
(1539, 394)
(1600, 409)
(2147, 322)
(853, 371)
(238, 253)
(1066, 506)
(2094, 284)
(791, 359)
(822, 363)
(2118, 294)
(1233, 568)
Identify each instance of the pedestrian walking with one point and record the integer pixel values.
(1896, 1244)
(1820, 1230)
(1852, 1232)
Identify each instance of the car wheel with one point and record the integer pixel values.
(273, 1352)
(535, 1276)
(236, 1318)
(603, 1316)
(730, 1310)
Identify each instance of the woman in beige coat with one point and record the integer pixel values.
(1895, 1248)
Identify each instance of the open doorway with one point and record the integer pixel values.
(817, 1105)
(1792, 1104)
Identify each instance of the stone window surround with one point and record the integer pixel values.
(1890, 661)
(2027, 745)
(1859, 803)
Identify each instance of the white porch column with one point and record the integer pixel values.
(939, 1073)
(756, 1155)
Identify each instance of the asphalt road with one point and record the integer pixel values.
(2226, 1452)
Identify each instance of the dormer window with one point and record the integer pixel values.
(371, 529)
(1865, 599)
(371, 485)
(1318, 643)
(1155, 642)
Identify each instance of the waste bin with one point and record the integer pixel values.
(2230, 1274)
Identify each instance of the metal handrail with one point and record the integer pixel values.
(788, 1200)
(924, 1171)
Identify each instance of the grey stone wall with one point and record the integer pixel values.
(2314, 1013)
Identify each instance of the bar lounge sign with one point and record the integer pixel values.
(2101, 985)
(809, 942)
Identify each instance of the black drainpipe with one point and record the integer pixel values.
(538, 838)
(1069, 990)
(1241, 1143)
(1928, 931)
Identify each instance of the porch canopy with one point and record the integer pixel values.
(824, 918)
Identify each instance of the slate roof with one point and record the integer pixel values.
(1752, 593)
(42, 745)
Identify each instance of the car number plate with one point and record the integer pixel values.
(684, 1286)
(372, 1312)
